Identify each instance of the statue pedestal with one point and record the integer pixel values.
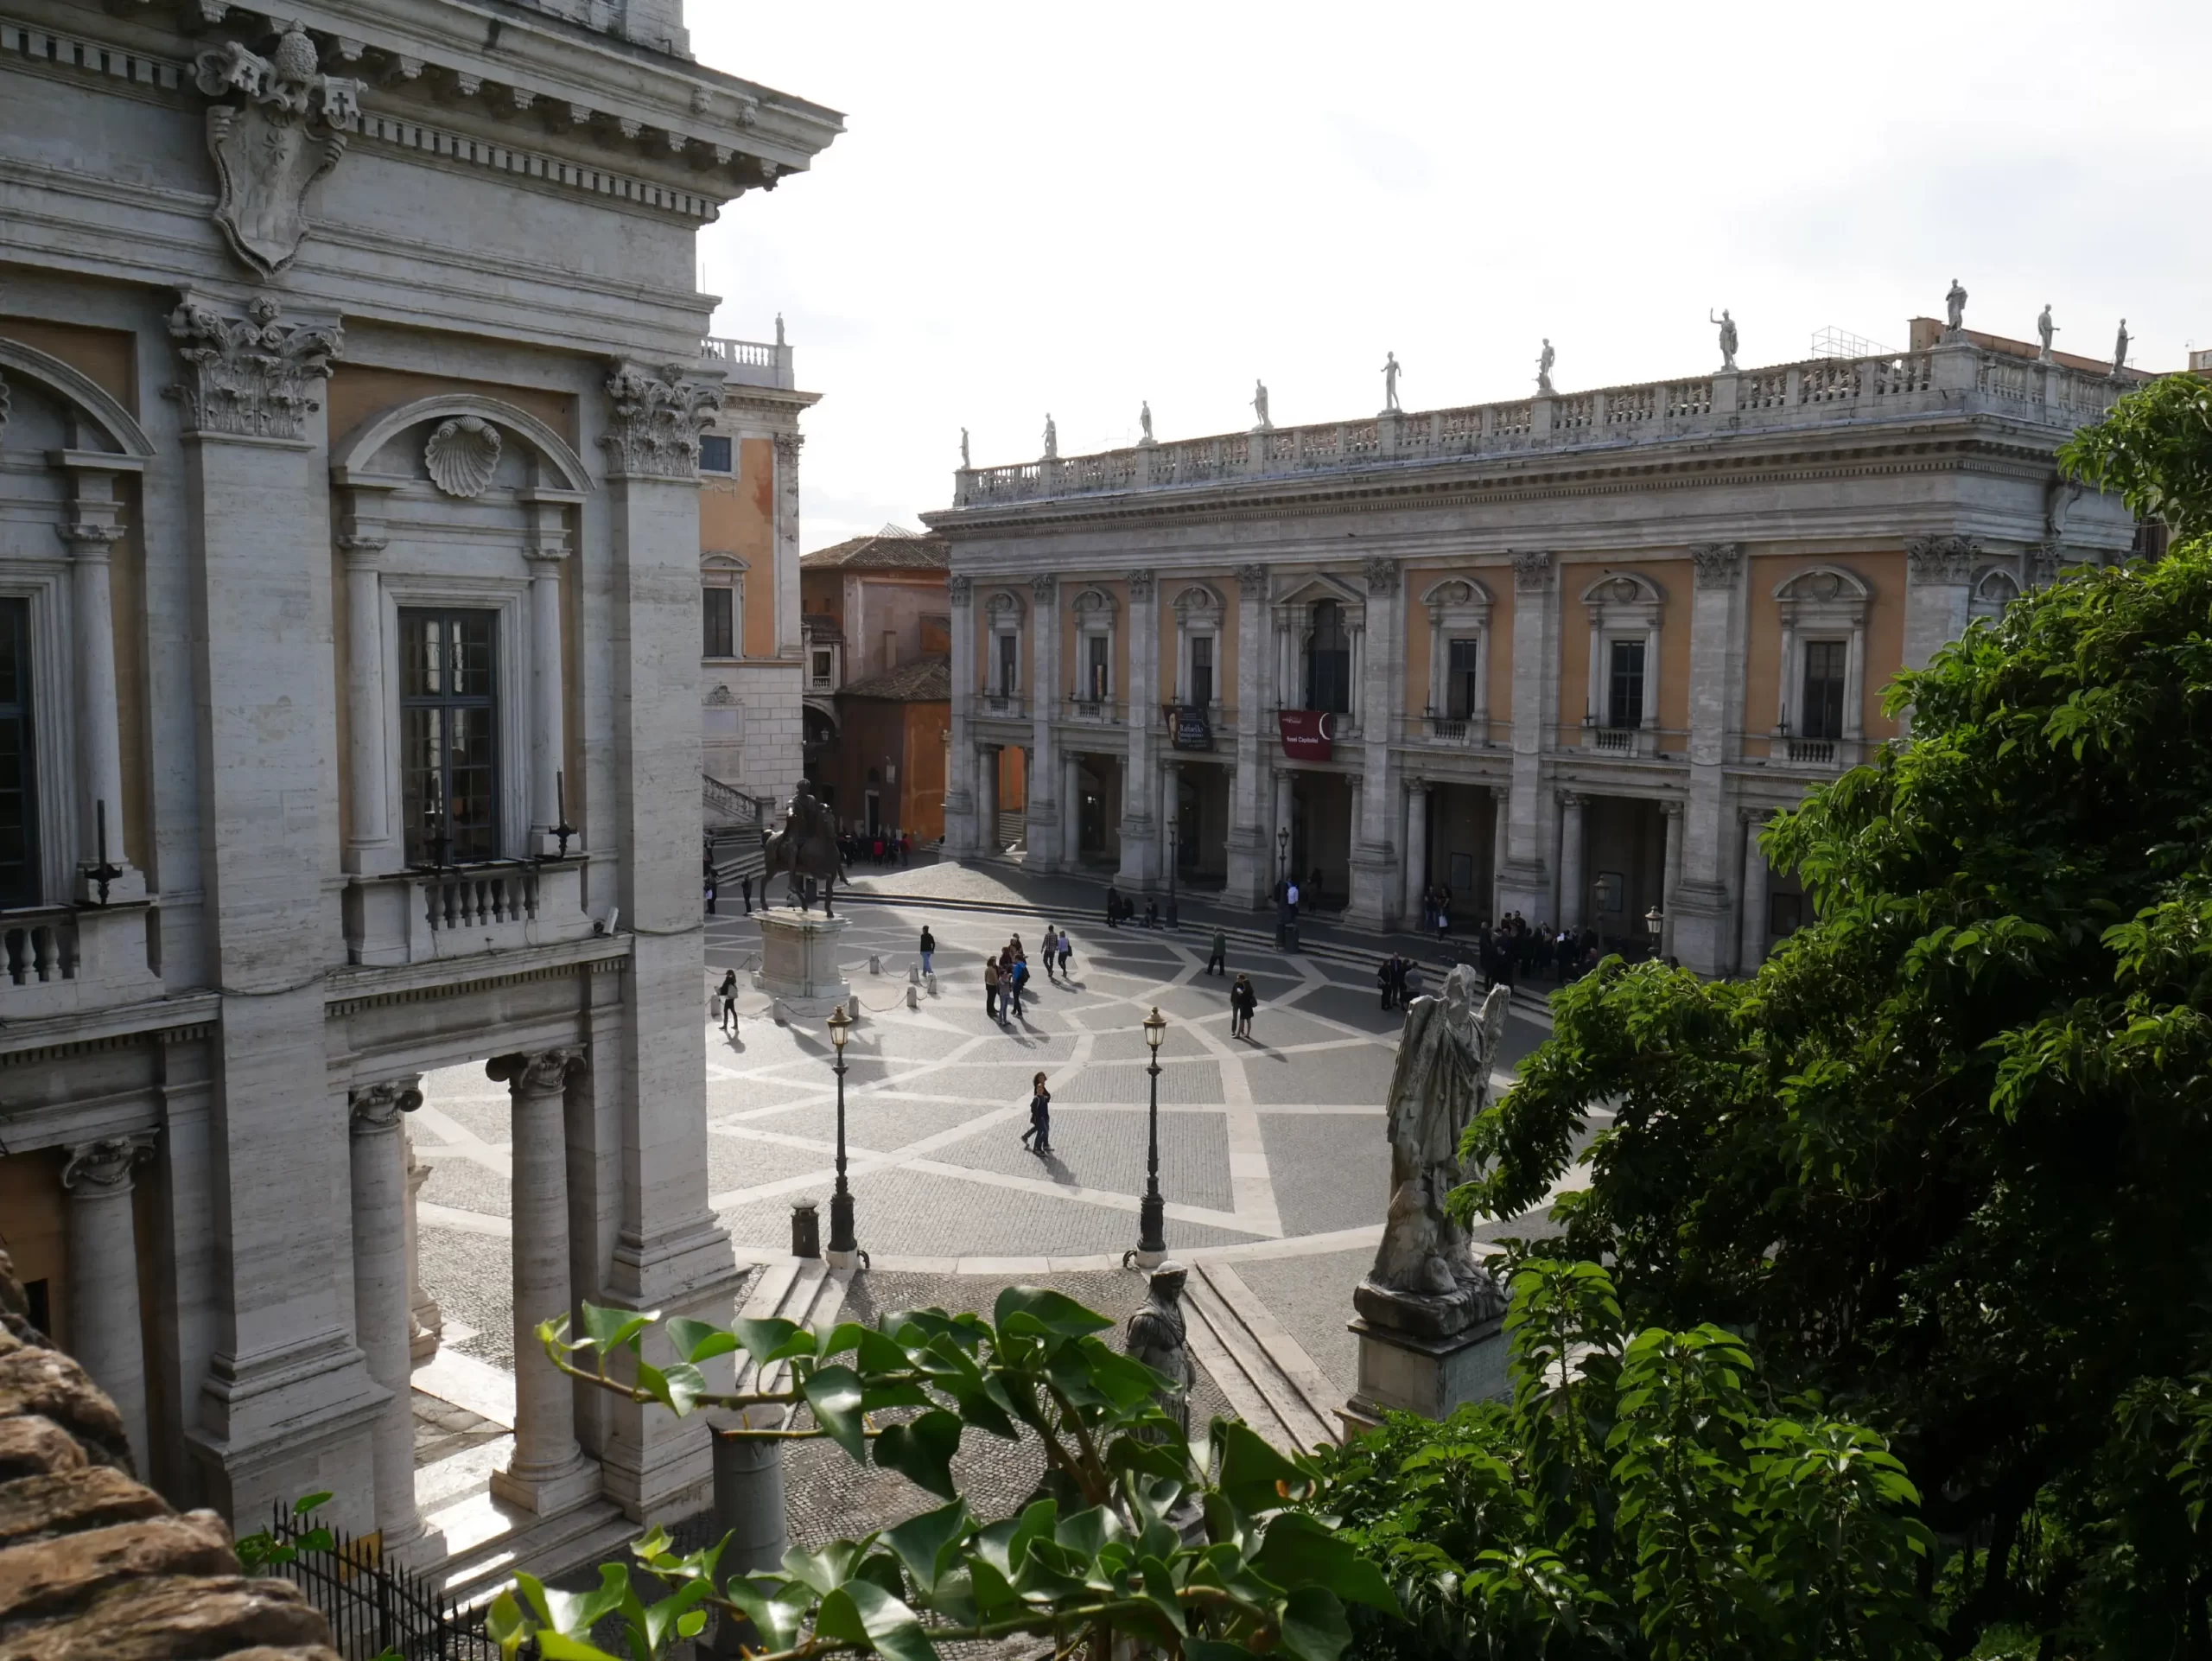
(798, 962)
(1426, 1354)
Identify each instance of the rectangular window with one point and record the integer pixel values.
(722, 623)
(1624, 700)
(1459, 680)
(714, 453)
(1820, 716)
(1096, 681)
(1009, 665)
(1202, 670)
(19, 883)
(821, 668)
(448, 736)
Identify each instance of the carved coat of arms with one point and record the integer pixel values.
(281, 129)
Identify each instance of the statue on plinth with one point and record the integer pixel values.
(2045, 329)
(1954, 312)
(1727, 338)
(965, 464)
(1544, 362)
(805, 846)
(2119, 350)
(1052, 439)
(1391, 373)
(1425, 1281)
(1144, 420)
(1158, 1336)
(1260, 406)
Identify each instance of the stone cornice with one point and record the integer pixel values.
(1924, 445)
(498, 75)
(46, 1037)
(357, 988)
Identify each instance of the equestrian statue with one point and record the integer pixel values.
(805, 846)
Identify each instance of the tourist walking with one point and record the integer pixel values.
(1037, 1138)
(1066, 951)
(745, 888)
(991, 987)
(929, 950)
(1218, 962)
(1242, 1000)
(1016, 972)
(1052, 941)
(728, 993)
(710, 891)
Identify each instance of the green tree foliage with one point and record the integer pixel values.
(1947, 1157)
(1638, 1498)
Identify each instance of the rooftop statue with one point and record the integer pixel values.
(1728, 338)
(2045, 329)
(1259, 407)
(1544, 363)
(2119, 349)
(1144, 420)
(964, 462)
(1955, 311)
(1425, 1279)
(1051, 440)
(1391, 373)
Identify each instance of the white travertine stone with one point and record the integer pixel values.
(1041, 811)
(95, 527)
(1755, 892)
(1698, 910)
(799, 963)
(1672, 812)
(544, 552)
(1415, 842)
(1070, 810)
(371, 847)
(962, 823)
(381, 1294)
(548, 1472)
(1377, 888)
(426, 1322)
(1524, 877)
(1250, 849)
(1574, 896)
(987, 800)
(106, 1321)
(1140, 815)
(1500, 808)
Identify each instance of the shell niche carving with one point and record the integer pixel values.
(461, 456)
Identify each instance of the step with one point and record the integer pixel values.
(553, 1547)
(1269, 1378)
(804, 1290)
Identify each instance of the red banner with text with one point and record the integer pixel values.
(1306, 734)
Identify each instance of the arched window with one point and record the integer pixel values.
(1328, 660)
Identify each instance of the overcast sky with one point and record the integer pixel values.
(1075, 207)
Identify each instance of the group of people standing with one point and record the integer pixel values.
(1120, 909)
(1399, 979)
(1515, 950)
(1436, 909)
(1006, 972)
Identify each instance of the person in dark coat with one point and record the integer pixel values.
(1037, 1138)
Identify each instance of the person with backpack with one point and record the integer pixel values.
(1037, 1138)
(1066, 952)
(1017, 974)
(728, 993)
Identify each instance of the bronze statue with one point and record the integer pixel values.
(1158, 1336)
(806, 847)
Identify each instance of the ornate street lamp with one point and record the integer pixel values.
(1655, 921)
(1283, 854)
(1152, 1215)
(840, 1203)
(1285, 929)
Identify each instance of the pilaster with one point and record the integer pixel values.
(1140, 823)
(1697, 911)
(105, 1317)
(380, 1294)
(961, 832)
(1377, 883)
(1041, 810)
(1251, 855)
(1525, 876)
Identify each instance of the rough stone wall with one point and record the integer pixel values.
(94, 1566)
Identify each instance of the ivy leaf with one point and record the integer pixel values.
(699, 1340)
(922, 1451)
(1312, 1626)
(861, 1610)
(1299, 1550)
(826, 1569)
(773, 1339)
(833, 1393)
(1040, 1309)
(1253, 1475)
(776, 1611)
(609, 1330)
(929, 1544)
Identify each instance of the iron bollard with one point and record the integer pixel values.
(749, 1509)
(806, 1229)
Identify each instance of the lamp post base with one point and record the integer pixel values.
(1152, 1228)
(842, 1240)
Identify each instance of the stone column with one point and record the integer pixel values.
(1042, 813)
(1139, 813)
(1171, 808)
(371, 847)
(544, 551)
(105, 1329)
(381, 1297)
(1755, 892)
(987, 800)
(787, 532)
(1251, 852)
(1573, 883)
(1698, 907)
(426, 1322)
(645, 1237)
(961, 838)
(95, 527)
(1937, 571)
(1525, 880)
(1377, 880)
(1070, 810)
(286, 1405)
(1673, 811)
(548, 1472)
(1501, 804)
(1415, 842)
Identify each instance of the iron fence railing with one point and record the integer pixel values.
(375, 1608)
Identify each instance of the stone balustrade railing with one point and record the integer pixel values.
(1959, 378)
(751, 363)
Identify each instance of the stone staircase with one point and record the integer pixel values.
(1013, 830)
(1271, 1383)
(594, 1533)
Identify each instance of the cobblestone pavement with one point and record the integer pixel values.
(1272, 1150)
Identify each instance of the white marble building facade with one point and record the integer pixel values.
(1573, 650)
(351, 395)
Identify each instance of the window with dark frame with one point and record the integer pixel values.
(1459, 679)
(448, 736)
(715, 453)
(19, 879)
(1202, 670)
(1328, 660)
(1009, 665)
(1097, 680)
(1624, 692)
(1821, 714)
(721, 622)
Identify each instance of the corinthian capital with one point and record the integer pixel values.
(654, 421)
(377, 1107)
(959, 588)
(1532, 571)
(1382, 573)
(1941, 559)
(1717, 563)
(252, 376)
